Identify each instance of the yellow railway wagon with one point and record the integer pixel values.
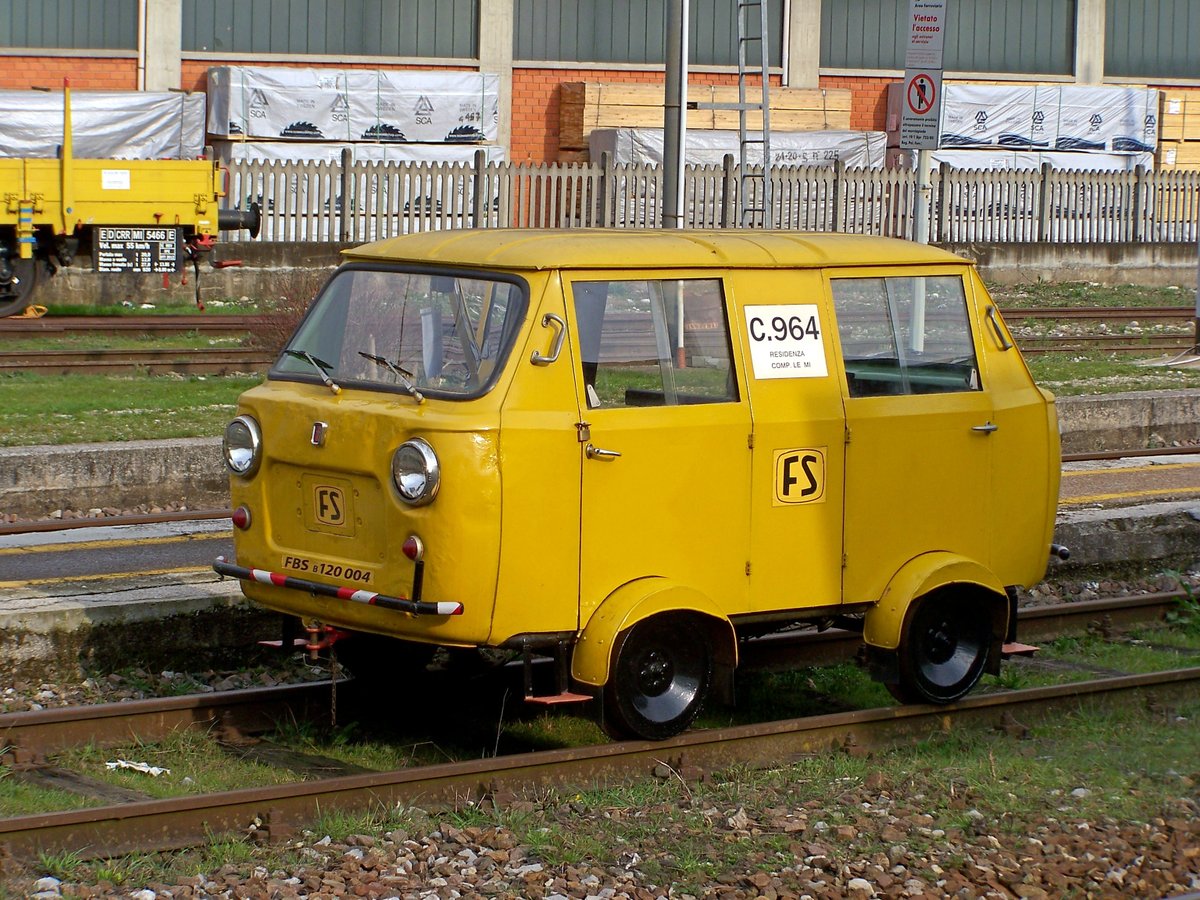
(151, 215)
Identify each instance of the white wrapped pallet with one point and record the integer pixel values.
(353, 105)
(987, 115)
(1120, 119)
(104, 124)
(644, 146)
(326, 151)
(1022, 160)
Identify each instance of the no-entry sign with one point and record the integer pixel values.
(921, 112)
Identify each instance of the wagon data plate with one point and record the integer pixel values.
(132, 248)
(328, 504)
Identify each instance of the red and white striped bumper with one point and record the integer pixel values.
(417, 607)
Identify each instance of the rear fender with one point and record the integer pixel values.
(638, 600)
(884, 622)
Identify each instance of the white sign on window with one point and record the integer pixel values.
(785, 341)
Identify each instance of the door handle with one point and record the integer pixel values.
(591, 451)
(560, 332)
(985, 429)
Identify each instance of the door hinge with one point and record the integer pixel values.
(843, 560)
(847, 433)
(750, 440)
(584, 430)
(747, 568)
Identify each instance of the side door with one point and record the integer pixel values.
(799, 439)
(919, 417)
(663, 435)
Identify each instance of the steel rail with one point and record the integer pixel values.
(276, 811)
(1101, 313)
(34, 735)
(205, 360)
(157, 324)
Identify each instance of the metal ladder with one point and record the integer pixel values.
(754, 186)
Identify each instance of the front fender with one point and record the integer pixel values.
(630, 604)
(884, 622)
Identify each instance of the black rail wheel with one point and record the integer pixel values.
(943, 649)
(18, 279)
(377, 659)
(662, 670)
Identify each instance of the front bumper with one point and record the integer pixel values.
(415, 606)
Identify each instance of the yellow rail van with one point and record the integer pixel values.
(631, 450)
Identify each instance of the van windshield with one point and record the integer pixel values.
(414, 332)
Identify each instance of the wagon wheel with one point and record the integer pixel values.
(18, 279)
(376, 659)
(660, 678)
(943, 649)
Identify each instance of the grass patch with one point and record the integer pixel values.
(68, 409)
(1073, 374)
(1084, 293)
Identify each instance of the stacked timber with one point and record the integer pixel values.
(1179, 126)
(586, 106)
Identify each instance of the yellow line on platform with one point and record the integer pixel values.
(1156, 492)
(1117, 470)
(108, 576)
(108, 545)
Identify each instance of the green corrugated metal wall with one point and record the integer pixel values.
(1152, 38)
(69, 24)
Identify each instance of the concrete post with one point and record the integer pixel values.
(160, 50)
(496, 19)
(1089, 41)
(803, 34)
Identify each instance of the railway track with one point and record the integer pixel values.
(203, 361)
(144, 825)
(58, 326)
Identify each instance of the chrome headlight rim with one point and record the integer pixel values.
(245, 463)
(428, 468)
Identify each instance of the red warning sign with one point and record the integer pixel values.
(922, 93)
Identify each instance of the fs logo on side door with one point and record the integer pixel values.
(799, 476)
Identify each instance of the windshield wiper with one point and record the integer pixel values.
(320, 365)
(402, 375)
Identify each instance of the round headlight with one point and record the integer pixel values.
(415, 472)
(242, 446)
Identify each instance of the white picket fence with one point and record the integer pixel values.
(307, 201)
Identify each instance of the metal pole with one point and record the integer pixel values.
(675, 113)
(924, 196)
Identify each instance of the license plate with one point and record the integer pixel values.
(336, 572)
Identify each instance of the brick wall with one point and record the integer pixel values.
(868, 101)
(535, 103)
(21, 72)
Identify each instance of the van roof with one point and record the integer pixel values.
(623, 248)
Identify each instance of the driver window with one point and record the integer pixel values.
(654, 342)
(905, 335)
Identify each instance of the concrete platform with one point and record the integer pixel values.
(63, 630)
(35, 481)
(60, 624)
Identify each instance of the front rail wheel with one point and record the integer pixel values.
(661, 675)
(18, 280)
(943, 649)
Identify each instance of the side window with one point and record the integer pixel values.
(654, 342)
(905, 335)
